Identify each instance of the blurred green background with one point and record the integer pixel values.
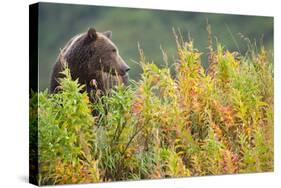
(150, 28)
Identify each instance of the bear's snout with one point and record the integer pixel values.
(124, 68)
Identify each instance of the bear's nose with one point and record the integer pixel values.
(128, 68)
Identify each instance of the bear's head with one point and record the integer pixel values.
(93, 55)
(103, 54)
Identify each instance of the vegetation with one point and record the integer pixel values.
(196, 123)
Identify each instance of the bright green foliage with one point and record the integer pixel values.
(194, 123)
(65, 136)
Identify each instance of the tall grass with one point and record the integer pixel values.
(195, 123)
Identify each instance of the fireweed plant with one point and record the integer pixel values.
(196, 122)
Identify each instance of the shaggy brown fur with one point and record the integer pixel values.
(91, 56)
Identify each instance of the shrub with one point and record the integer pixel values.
(65, 136)
(193, 123)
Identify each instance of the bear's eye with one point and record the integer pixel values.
(114, 50)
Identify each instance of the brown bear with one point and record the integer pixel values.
(91, 56)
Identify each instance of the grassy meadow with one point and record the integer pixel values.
(177, 120)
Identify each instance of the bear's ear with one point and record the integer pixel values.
(108, 34)
(92, 34)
